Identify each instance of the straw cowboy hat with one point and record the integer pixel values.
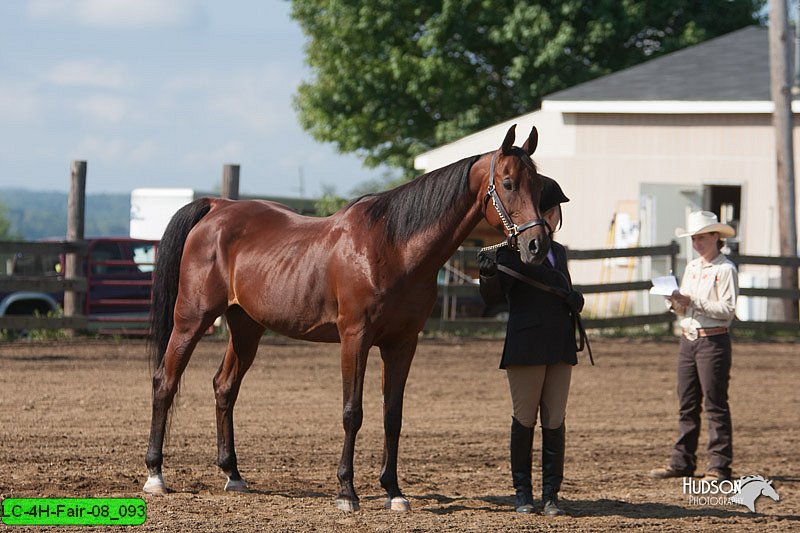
(705, 222)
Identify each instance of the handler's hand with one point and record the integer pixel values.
(487, 262)
(680, 299)
(574, 300)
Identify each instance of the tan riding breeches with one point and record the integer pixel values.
(539, 388)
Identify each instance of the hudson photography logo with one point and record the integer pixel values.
(743, 491)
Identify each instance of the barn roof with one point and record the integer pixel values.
(732, 67)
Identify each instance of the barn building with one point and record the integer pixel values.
(639, 149)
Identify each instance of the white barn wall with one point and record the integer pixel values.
(620, 152)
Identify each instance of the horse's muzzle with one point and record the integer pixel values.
(533, 248)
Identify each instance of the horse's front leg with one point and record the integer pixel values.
(397, 359)
(355, 349)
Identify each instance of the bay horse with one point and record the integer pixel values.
(364, 276)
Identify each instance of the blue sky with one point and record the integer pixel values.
(158, 93)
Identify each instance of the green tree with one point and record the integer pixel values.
(387, 180)
(329, 202)
(393, 78)
(5, 226)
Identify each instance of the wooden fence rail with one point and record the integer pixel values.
(42, 248)
(56, 284)
(467, 255)
(768, 327)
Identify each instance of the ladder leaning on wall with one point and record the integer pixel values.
(600, 304)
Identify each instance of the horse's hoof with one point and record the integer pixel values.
(347, 505)
(236, 485)
(398, 503)
(155, 485)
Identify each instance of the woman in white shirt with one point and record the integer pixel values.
(706, 305)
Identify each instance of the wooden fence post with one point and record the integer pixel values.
(230, 181)
(73, 268)
(230, 190)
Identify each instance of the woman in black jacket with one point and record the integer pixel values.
(538, 354)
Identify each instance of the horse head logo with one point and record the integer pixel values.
(750, 488)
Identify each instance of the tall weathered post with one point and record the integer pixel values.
(230, 190)
(230, 181)
(783, 122)
(73, 267)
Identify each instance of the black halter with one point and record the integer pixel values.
(513, 230)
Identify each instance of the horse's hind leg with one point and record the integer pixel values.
(242, 346)
(185, 334)
(397, 359)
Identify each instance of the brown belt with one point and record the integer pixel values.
(710, 332)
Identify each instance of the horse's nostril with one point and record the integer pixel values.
(533, 246)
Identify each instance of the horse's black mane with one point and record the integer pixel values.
(420, 203)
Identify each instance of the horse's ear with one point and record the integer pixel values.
(508, 142)
(532, 142)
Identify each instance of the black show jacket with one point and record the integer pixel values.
(540, 327)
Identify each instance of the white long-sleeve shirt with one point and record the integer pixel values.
(713, 288)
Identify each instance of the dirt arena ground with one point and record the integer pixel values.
(75, 418)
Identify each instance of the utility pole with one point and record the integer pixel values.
(783, 122)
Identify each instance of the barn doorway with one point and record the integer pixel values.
(725, 201)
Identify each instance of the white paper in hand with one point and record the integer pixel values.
(664, 285)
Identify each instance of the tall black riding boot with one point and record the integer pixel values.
(553, 441)
(521, 443)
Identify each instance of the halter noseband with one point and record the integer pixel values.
(513, 230)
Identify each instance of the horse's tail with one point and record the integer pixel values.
(165, 275)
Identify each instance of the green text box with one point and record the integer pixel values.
(74, 511)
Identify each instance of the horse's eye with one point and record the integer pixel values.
(507, 185)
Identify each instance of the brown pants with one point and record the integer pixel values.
(704, 367)
(539, 389)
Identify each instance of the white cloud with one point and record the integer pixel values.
(116, 151)
(143, 152)
(102, 149)
(259, 100)
(187, 82)
(42, 9)
(18, 103)
(103, 108)
(229, 152)
(87, 73)
(117, 14)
